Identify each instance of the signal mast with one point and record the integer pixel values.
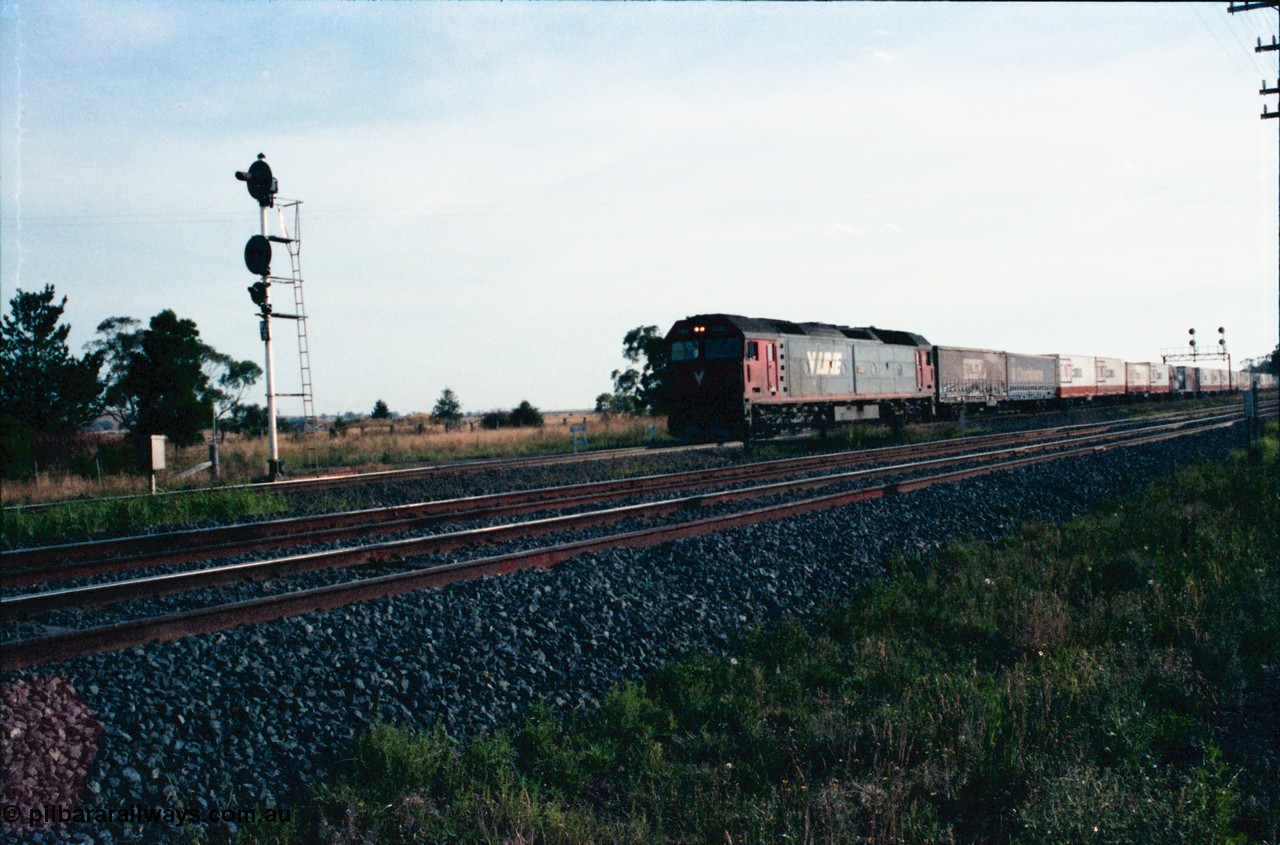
(257, 257)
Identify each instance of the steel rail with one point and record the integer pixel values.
(34, 651)
(394, 551)
(23, 567)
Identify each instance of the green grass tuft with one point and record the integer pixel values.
(124, 515)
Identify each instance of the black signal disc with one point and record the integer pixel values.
(257, 256)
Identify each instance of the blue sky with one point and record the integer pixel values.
(493, 194)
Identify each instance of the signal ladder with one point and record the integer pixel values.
(293, 242)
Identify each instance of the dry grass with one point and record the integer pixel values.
(364, 445)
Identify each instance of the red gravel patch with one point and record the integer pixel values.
(48, 739)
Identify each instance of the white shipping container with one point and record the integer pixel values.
(1213, 379)
(1110, 375)
(1077, 375)
(1137, 376)
(1159, 377)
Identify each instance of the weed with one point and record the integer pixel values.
(82, 518)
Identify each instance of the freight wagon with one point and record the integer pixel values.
(1032, 378)
(971, 376)
(1077, 376)
(1109, 375)
(1137, 378)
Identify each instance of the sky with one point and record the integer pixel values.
(494, 194)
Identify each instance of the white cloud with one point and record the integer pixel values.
(843, 230)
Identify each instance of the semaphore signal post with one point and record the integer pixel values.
(257, 257)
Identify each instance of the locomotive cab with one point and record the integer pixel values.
(706, 377)
(730, 376)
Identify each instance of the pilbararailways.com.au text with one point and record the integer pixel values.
(139, 814)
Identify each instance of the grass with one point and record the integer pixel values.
(122, 515)
(365, 445)
(415, 440)
(1081, 683)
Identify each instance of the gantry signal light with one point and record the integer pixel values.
(262, 186)
(1192, 332)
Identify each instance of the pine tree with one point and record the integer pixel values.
(448, 409)
(43, 387)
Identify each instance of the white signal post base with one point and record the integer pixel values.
(273, 442)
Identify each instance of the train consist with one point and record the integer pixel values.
(731, 376)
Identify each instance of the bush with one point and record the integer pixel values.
(496, 419)
(526, 414)
(520, 416)
(15, 448)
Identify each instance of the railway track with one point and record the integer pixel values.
(396, 476)
(64, 561)
(922, 472)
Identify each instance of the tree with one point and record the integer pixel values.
(639, 391)
(229, 380)
(43, 387)
(117, 343)
(448, 409)
(604, 403)
(248, 420)
(167, 381)
(163, 379)
(526, 414)
(380, 411)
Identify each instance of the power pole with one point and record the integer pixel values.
(1266, 91)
